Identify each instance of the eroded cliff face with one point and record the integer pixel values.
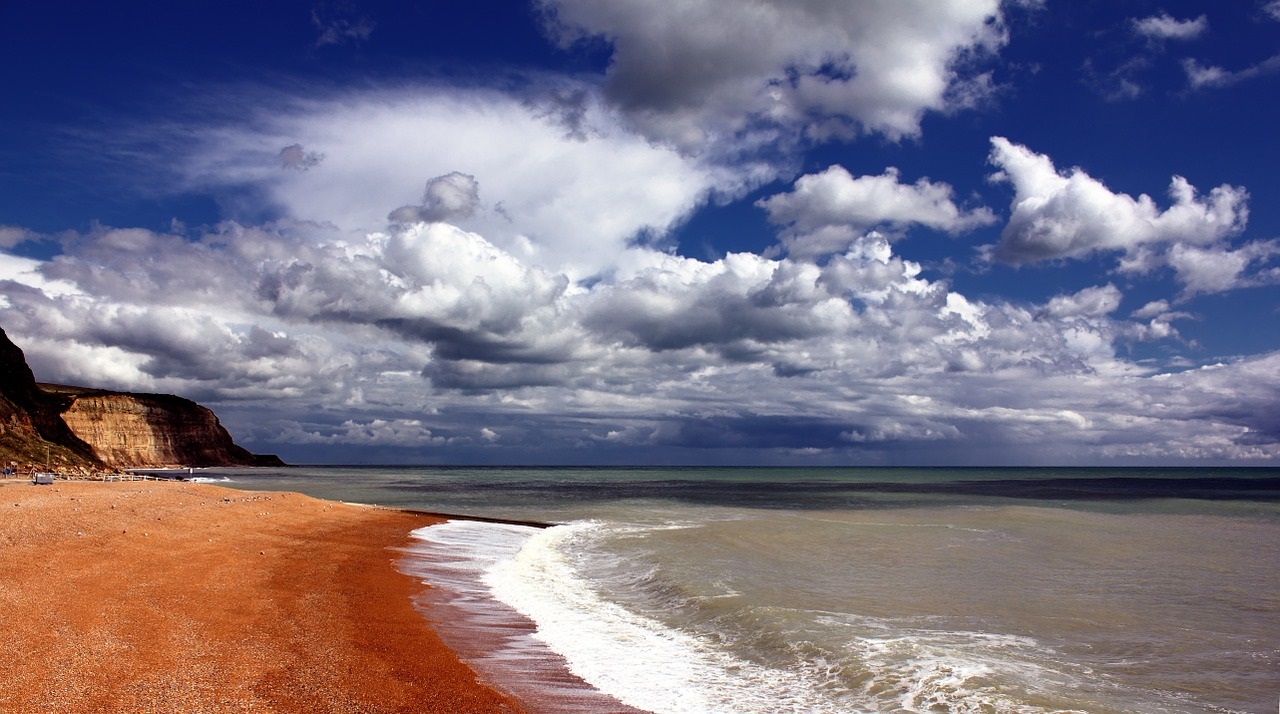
(74, 429)
(153, 430)
(32, 435)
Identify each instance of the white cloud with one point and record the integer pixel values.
(827, 211)
(28, 273)
(1200, 76)
(1063, 215)
(1159, 317)
(1151, 309)
(683, 71)
(569, 200)
(1090, 302)
(1272, 8)
(1165, 27)
(1072, 215)
(1218, 269)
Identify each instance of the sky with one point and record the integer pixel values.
(721, 232)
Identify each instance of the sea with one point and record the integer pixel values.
(815, 590)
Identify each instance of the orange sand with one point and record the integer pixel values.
(178, 597)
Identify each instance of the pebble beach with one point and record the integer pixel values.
(175, 596)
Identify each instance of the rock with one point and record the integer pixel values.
(32, 431)
(78, 429)
(130, 430)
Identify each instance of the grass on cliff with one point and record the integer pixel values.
(31, 453)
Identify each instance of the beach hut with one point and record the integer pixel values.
(42, 479)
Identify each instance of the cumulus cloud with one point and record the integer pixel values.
(1070, 214)
(682, 72)
(826, 211)
(1154, 321)
(1165, 27)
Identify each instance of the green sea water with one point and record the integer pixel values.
(869, 590)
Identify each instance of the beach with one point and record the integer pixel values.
(174, 596)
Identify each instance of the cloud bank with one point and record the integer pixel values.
(431, 337)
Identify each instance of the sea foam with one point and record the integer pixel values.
(499, 642)
(634, 657)
(543, 575)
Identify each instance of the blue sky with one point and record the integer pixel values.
(625, 231)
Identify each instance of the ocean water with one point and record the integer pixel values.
(847, 590)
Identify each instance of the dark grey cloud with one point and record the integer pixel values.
(450, 197)
(754, 431)
(476, 377)
(431, 338)
(710, 320)
(297, 158)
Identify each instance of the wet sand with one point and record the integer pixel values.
(170, 596)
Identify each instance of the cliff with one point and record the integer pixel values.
(130, 430)
(79, 429)
(32, 432)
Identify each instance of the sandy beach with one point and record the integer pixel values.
(171, 596)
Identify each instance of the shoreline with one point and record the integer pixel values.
(180, 596)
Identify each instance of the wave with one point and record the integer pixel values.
(650, 664)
